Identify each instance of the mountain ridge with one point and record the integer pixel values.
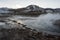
(31, 9)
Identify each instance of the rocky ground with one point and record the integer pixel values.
(25, 34)
(21, 32)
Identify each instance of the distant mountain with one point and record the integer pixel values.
(5, 10)
(57, 10)
(49, 10)
(29, 10)
(34, 8)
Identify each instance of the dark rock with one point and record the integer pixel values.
(14, 21)
(57, 22)
(23, 34)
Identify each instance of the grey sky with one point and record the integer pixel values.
(24, 3)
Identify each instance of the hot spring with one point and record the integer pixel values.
(44, 22)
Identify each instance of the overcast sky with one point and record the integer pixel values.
(24, 3)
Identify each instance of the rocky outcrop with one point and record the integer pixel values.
(57, 22)
(24, 34)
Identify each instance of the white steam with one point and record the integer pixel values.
(44, 23)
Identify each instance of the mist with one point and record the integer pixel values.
(44, 23)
